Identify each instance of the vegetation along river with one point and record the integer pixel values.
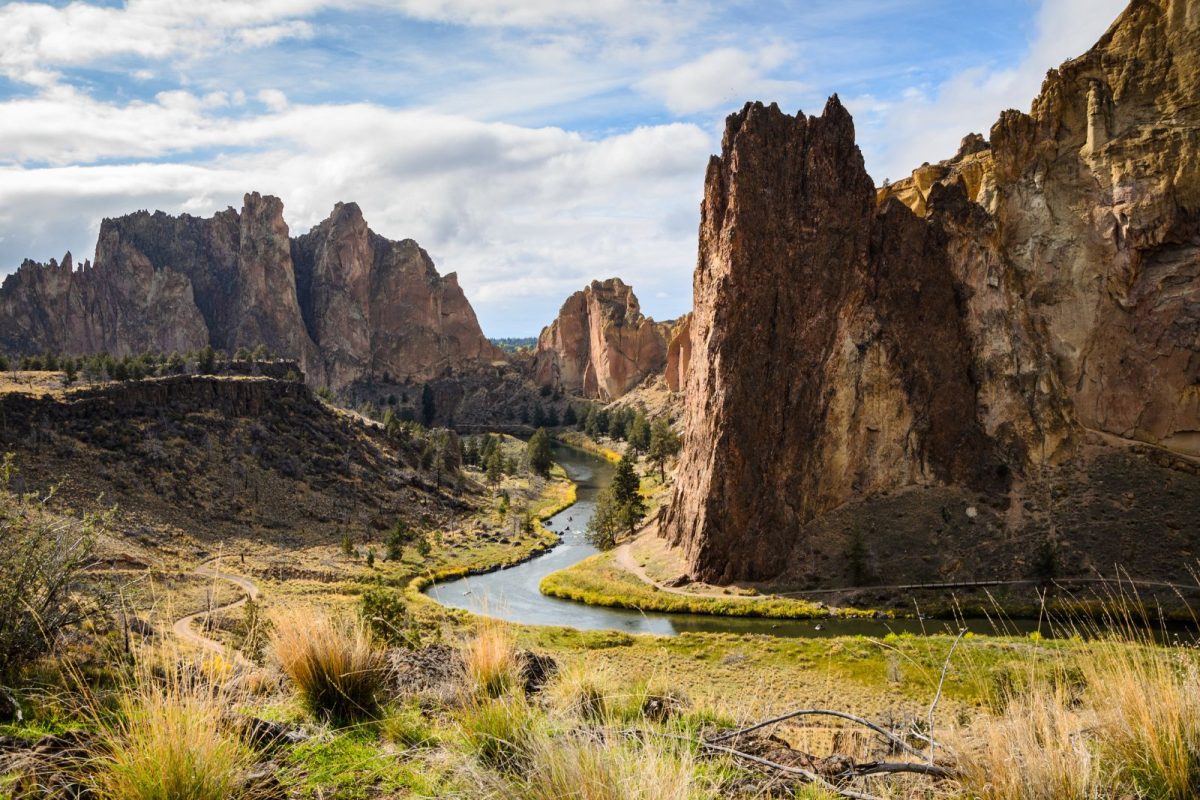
(512, 594)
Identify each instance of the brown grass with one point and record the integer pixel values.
(490, 659)
(333, 663)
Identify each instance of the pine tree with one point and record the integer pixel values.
(538, 453)
(664, 443)
(639, 433)
(626, 489)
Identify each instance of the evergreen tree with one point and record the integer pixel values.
(398, 539)
(538, 453)
(495, 467)
(626, 487)
(569, 417)
(207, 361)
(175, 363)
(639, 434)
(591, 424)
(606, 523)
(664, 443)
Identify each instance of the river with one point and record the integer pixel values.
(512, 594)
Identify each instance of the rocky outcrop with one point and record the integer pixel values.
(679, 353)
(347, 303)
(378, 307)
(600, 346)
(978, 330)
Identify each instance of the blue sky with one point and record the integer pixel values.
(529, 145)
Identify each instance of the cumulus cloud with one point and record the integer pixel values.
(37, 39)
(524, 215)
(719, 78)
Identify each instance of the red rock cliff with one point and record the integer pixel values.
(600, 346)
(845, 350)
(347, 303)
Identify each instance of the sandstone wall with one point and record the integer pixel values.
(346, 303)
(966, 329)
(600, 346)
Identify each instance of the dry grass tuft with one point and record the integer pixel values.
(1114, 718)
(490, 660)
(168, 741)
(333, 663)
(593, 767)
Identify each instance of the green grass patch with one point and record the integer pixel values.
(352, 765)
(600, 581)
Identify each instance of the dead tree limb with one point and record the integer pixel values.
(808, 775)
(896, 767)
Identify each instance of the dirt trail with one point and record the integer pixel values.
(183, 626)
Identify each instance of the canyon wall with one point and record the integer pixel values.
(346, 303)
(1020, 318)
(600, 346)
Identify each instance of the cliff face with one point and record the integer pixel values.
(344, 301)
(600, 345)
(966, 330)
(679, 353)
(379, 307)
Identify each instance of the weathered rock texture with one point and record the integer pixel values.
(679, 353)
(346, 302)
(978, 329)
(600, 346)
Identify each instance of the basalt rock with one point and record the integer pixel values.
(600, 346)
(989, 331)
(344, 302)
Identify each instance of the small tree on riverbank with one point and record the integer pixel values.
(619, 508)
(538, 453)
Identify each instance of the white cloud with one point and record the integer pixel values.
(720, 78)
(273, 99)
(927, 123)
(36, 38)
(524, 215)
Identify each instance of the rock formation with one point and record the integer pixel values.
(347, 303)
(679, 353)
(600, 345)
(1021, 318)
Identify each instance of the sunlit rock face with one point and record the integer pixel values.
(347, 303)
(990, 330)
(600, 346)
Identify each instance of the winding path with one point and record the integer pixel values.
(183, 626)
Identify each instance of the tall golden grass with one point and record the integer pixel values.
(169, 740)
(1116, 717)
(333, 663)
(490, 659)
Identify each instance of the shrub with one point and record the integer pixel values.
(333, 664)
(385, 613)
(42, 562)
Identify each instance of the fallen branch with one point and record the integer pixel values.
(895, 767)
(826, 712)
(808, 775)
